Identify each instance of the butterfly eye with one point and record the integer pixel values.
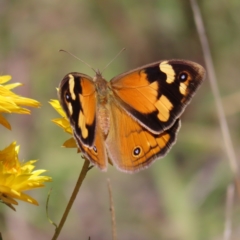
(183, 76)
(137, 151)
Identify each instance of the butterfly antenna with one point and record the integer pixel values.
(113, 59)
(61, 50)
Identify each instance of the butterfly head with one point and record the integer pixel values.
(100, 83)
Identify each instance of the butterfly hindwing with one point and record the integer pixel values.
(140, 147)
(96, 154)
(78, 99)
(155, 95)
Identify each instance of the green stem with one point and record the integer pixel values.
(81, 177)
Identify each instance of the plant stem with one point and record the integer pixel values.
(81, 177)
(233, 162)
(114, 231)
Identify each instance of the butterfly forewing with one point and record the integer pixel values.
(155, 95)
(78, 99)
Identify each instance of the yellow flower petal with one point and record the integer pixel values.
(13, 85)
(5, 78)
(61, 122)
(17, 177)
(70, 143)
(4, 122)
(64, 124)
(11, 102)
(56, 105)
(7, 199)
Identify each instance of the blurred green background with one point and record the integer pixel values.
(181, 197)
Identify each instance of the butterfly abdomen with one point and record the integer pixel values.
(103, 119)
(103, 116)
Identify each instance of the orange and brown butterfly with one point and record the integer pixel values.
(133, 119)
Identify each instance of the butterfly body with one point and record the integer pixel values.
(132, 119)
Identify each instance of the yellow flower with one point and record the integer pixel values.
(63, 123)
(17, 177)
(11, 102)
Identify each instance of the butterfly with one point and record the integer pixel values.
(133, 119)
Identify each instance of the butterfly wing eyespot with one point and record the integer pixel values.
(95, 149)
(67, 96)
(183, 76)
(136, 151)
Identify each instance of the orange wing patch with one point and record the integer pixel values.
(134, 79)
(131, 147)
(137, 92)
(88, 102)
